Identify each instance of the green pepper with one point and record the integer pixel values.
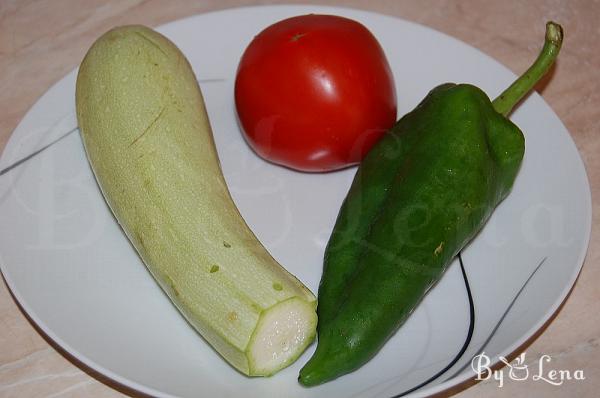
(419, 196)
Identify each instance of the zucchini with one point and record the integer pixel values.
(149, 142)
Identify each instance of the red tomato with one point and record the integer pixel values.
(314, 92)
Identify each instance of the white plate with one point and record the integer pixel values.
(73, 271)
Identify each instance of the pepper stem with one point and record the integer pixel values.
(512, 95)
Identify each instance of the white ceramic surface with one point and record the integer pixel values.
(73, 271)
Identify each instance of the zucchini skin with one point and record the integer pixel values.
(148, 139)
(419, 196)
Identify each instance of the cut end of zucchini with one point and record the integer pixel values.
(282, 334)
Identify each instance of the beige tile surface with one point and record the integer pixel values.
(42, 40)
